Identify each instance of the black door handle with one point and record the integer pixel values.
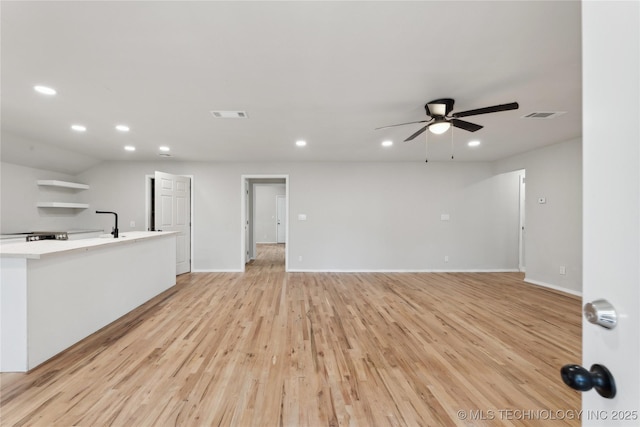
(578, 378)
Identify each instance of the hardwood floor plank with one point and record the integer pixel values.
(269, 348)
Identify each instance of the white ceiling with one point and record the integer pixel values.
(326, 72)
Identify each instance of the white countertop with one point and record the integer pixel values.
(43, 248)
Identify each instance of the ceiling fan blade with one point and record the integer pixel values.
(471, 127)
(402, 124)
(416, 134)
(485, 110)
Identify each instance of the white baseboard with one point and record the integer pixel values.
(302, 270)
(554, 287)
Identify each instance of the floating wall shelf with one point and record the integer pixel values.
(65, 184)
(62, 184)
(63, 205)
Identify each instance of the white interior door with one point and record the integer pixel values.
(172, 197)
(611, 204)
(281, 219)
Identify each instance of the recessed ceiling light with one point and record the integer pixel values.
(122, 128)
(387, 143)
(473, 143)
(45, 90)
(130, 148)
(301, 143)
(164, 148)
(79, 128)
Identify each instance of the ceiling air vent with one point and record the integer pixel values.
(229, 114)
(543, 115)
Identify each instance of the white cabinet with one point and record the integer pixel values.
(62, 185)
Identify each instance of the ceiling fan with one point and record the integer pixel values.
(440, 121)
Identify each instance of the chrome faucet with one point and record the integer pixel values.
(115, 229)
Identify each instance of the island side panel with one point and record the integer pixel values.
(72, 295)
(13, 315)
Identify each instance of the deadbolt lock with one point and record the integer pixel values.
(601, 312)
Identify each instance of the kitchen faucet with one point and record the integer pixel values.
(115, 229)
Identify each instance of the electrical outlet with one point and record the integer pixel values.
(563, 270)
(300, 258)
(446, 258)
(132, 224)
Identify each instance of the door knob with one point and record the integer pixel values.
(578, 378)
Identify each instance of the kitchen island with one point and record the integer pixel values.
(55, 293)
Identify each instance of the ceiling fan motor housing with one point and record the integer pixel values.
(435, 110)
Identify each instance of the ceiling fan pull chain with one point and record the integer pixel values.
(426, 143)
(451, 142)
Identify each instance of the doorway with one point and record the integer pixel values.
(169, 208)
(264, 213)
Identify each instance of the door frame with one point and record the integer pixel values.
(147, 209)
(244, 215)
(522, 179)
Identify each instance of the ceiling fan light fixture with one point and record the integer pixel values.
(439, 127)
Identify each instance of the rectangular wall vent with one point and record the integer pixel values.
(543, 115)
(229, 114)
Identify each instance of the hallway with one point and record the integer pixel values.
(269, 257)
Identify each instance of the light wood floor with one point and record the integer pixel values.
(268, 348)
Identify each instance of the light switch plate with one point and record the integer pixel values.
(302, 217)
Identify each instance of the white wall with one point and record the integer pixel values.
(387, 216)
(554, 229)
(20, 193)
